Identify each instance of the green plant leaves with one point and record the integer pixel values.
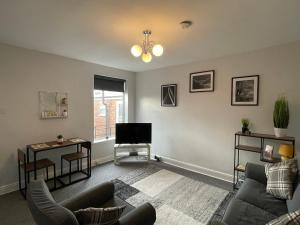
(281, 115)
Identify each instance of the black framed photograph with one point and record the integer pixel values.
(202, 81)
(169, 95)
(245, 91)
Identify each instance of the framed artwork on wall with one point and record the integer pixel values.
(169, 95)
(245, 91)
(202, 81)
(53, 105)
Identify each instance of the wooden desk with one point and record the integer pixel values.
(52, 145)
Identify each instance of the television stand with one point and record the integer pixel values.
(123, 150)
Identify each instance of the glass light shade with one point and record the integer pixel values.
(147, 57)
(136, 50)
(157, 50)
(286, 151)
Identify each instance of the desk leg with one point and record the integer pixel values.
(27, 174)
(27, 152)
(90, 162)
(78, 160)
(34, 165)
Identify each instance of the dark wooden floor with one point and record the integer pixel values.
(14, 210)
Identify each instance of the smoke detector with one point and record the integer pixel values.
(186, 24)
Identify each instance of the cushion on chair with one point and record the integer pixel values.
(254, 193)
(281, 178)
(242, 213)
(116, 201)
(99, 216)
(291, 163)
(292, 218)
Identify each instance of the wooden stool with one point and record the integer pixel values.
(29, 167)
(77, 156)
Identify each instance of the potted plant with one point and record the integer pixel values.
(281, 117)
(245, 125)
(60, 139)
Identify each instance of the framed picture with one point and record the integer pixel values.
(245, 90)
(169, 95)
(202, 81)
(268, 152)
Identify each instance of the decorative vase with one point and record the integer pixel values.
(280, 132)
(60, 140)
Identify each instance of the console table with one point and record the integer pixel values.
(52, 145)
(237, 167)
(131, 150)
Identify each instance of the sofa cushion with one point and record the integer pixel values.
(116, 201)
(254, 193)
(281, 177)
(242, 213)
(292, 218)
(99, 216)
(291, 163)
(294, 203)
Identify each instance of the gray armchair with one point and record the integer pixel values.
(46, 211)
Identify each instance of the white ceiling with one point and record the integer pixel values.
(102, 31)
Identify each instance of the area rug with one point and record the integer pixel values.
(178, 200)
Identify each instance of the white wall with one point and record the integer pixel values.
(200, 130)
(23, 73)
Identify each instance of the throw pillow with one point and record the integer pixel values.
(292, 218)
(281, 177)
(99, 216)
(292, 163)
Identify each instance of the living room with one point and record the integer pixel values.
(180, 67)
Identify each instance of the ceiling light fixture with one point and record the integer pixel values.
(146, 48)
(186, 24)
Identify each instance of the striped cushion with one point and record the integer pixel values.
(292, 163)
(281, 177)
(292, 218)
(99, 216)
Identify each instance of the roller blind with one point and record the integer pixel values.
(109, 83)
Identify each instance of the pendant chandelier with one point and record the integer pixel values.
(146, 48)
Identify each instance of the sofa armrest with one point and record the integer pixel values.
(142, 215)
(256, 172)
(93, 197)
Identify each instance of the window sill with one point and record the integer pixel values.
(104, 140)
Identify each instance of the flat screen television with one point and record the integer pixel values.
(133, 133)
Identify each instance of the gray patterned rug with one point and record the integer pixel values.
(177, 199)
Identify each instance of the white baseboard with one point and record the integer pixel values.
(102, 160)
(198, 169)
(5, 189)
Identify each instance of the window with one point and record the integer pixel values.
(108, 108)
(102, 109)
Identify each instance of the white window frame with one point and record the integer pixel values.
(107, 138)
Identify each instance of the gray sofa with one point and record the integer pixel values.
(46, 211)
(252, 205)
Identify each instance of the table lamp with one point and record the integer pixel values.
(286, 151)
